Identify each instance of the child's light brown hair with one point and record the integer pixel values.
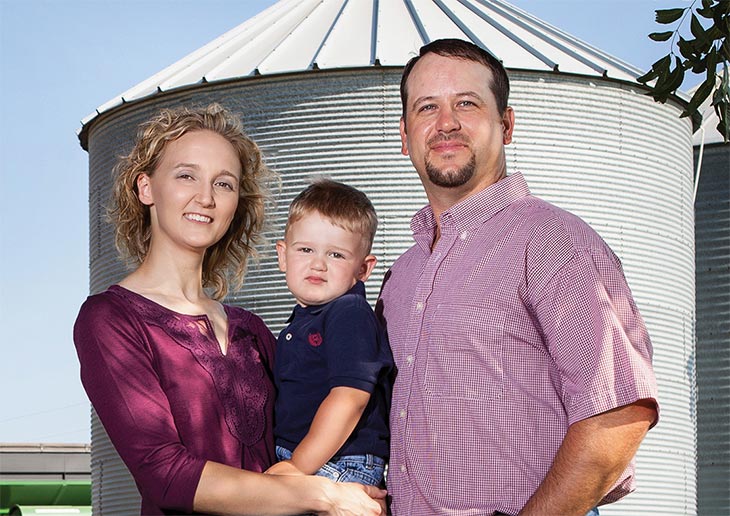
(343, 205)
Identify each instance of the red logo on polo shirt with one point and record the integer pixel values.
(315, 339)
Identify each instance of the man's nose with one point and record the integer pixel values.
(448, 120)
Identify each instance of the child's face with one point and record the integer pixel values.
(322, 261)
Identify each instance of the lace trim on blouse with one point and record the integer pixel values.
(237, 375)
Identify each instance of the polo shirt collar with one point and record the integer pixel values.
(358, 289)
(472, 211)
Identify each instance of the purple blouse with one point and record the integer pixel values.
(167, 396)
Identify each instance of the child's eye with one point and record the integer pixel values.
(337, 255)
(305, 250)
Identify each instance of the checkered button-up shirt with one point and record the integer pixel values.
(518, 323)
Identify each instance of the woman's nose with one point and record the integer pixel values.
(205, 196)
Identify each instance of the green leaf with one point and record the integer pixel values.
(665, 16)
(696, 119)
(669, 82)
(661, 36)
(714, 33)
(721, 110)
(720, 19)
(699, 66)
(706, 10)
(699, 97)
(711, 65)
(722, 7)
(687, 48)
(698, 31)
(648, 76)
(660, 67)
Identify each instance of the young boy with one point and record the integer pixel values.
(333, 362)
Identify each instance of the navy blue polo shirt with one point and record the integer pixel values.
(338, 344)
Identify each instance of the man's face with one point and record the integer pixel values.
(453, 131)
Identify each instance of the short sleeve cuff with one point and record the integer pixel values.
(592, 403)
(355, 383)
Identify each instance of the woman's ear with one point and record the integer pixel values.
(144, 191)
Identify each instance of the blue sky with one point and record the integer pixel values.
(59, 60)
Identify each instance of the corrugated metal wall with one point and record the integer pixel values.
(712, 232)
(601, 149)
(112, 488)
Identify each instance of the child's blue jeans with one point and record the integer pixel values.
(363, 469)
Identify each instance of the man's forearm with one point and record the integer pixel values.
(594, 453)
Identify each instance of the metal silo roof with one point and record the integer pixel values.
(301, 35)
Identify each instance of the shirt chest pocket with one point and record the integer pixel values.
(465, 358)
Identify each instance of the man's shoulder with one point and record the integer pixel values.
(546, 221)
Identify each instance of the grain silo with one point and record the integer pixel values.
(712, 233)
(316, 83)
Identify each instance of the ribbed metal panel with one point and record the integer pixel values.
(601, 149)
(712, 232)
(299, 35)
(112, 488)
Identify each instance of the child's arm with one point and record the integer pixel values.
(333, 423)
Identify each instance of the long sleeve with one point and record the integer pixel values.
(118, 373)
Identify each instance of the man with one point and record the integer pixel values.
(524, 368)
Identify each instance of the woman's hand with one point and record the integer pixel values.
(349, 499)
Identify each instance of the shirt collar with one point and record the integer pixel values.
(358, 289)
(472, 211)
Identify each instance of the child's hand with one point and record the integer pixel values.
(285, 467)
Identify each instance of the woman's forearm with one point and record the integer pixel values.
(229, 491)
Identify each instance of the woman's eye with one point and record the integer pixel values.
(184, 175)
(223, 184)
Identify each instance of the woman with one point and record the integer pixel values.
(181, 382)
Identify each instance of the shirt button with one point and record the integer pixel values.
(409, 359)
(288, 336)
(463, 235)
(403, 413)
(402, 468)
(419, 306)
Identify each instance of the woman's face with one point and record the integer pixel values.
(193, 192)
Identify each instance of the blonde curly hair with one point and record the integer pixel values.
(225, 261)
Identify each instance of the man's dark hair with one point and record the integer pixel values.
(461, 49)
